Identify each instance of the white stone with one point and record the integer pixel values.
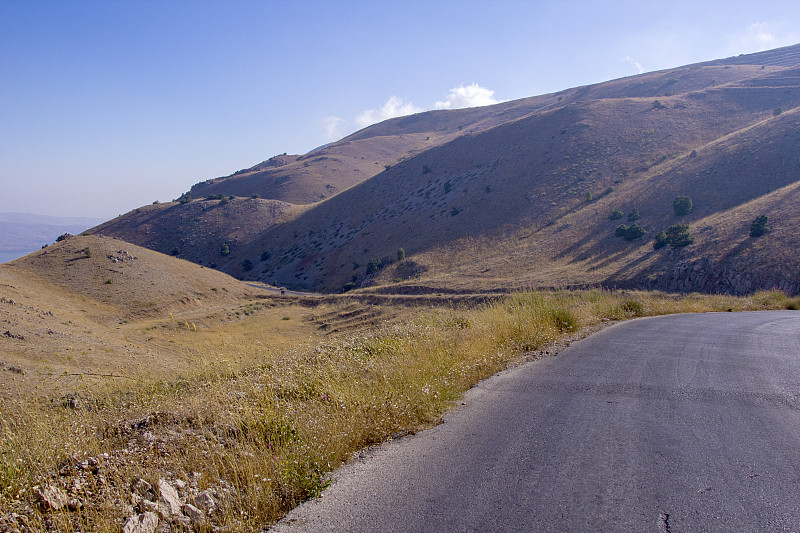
(143, 523)
(169, 497)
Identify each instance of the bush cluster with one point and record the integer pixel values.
(677, 235)
(760, 226)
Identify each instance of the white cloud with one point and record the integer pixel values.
(758, 37)
(761, 36)
(635, 63)
(462, 96)
(467, 96)
(394, 107)
(332, 125)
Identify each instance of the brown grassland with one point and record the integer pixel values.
(263, 396)
(127, 375)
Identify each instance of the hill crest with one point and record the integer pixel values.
(519, 194)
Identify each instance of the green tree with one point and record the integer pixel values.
(374, 266)
(225, 249)
(634, 232)
(760, 226)
(682, 205)
(633, 215)
(661, 241)
(401, 254)
(621, 230)
(616, 214)
(677, 235)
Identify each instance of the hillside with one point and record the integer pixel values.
(519, 194)
(199, 230)
(67, 312)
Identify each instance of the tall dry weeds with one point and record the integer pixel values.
(267, 437)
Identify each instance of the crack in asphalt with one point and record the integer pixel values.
(663, 523)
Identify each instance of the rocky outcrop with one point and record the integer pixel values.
(737, 276)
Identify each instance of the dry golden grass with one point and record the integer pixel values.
(265, 429)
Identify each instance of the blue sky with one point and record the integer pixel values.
(109, 105)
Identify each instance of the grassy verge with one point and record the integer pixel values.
(259, 441)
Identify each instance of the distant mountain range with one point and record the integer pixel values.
(23, 233)
(525, 193)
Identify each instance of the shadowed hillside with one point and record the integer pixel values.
(520, 194)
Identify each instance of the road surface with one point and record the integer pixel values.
(681, 423)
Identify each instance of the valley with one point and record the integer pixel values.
(206, 363)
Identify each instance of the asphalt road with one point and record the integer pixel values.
(682, 423)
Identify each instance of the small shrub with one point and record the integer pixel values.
(682, 205)
(621, 230)
(401, 254)
(633, 307)
(447, 187)
(454, 211)
(793, 304)
(225, 249)
(661, 241)
(634, 232)
(658, 105)
(589, 196)
(87, 252)
(760, 226)
(777, 111)
(634, 215)
(677, 235)
(185, 199)
(176, 251)
(693, 154)
(426, 169)
(265, 255)
(564, 320)
(255, 196)
(247, 265)
(155, 202)
(349, 286)
(616, 214)
(374, 266)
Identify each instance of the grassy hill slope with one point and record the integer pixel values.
(519, 194)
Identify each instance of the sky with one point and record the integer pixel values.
(109, 105)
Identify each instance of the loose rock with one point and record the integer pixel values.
(143, 523)
(51, 498)
(170, 498)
